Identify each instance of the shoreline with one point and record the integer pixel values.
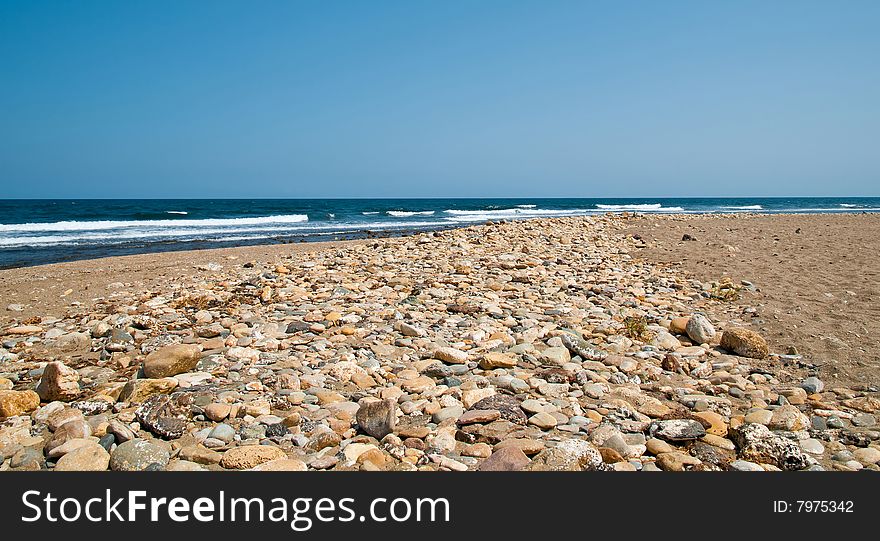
(550, 343)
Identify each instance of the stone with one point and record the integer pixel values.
(543, 420)
(867, 455)
(140, 390)
(676, 461)
(761, 417)
(678, 430)
(171, 360)
(656, 446)
(471, 396)
(138, 455)
(678, 325)
(217, 412)
(568, 455)
(745, 343)
(813, 385)
(88, 457)
(68, 446)
(451, 355)
(250, 456)
(700, 329)
(509, 458)
(756, 443)
(493, 360)
(58, 382)
(281, 464)
(718, 424)
(199, 454)
(378, 418)
(812, 446)
(14, 403)
(788, 418)
(475, 416)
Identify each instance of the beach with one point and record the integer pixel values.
(572, 343)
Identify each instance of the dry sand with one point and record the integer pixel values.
(817, 280)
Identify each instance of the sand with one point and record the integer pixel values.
(817, 280)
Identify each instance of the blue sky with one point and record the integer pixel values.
(445, 99)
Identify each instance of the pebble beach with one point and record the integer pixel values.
(615, 342)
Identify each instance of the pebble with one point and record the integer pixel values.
(138, 455)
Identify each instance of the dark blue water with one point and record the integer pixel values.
(34, 232)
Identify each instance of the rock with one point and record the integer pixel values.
(788, 418)
(475, 416)
(756, 443)
(183, 465)
(451, 355)
(665, 341)
(864, 419)
(140, 390)
(745, 343)
(14, 403)
(579, 346)
(88, 457)
(812, 446)
(678, 430)
(509, 458)
(171, 360)
(250, 456)
(58, 382)
(68, 446)
(813, 385)
(471, 396)
(68, 431)
(217, 412)
(281, 464)
(506, 405)
(73, 342)
(718, 424)
(377, 419)
(568, 455)
(679, 325)
(554, 356)
(676, 461)
(199, 454)
(700, 329)
(138, 455)
(656, 447)
(761, 417)
(409, 330)
(867, 455)
(493, 360)
(543, 420)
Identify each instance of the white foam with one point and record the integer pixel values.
(183, 212)
(407, 213)
(746, 207)
(509, 214)
(370, 213)
(121, 224)
(648, 207)
(526, 206)
(849, 205)
(215, 234)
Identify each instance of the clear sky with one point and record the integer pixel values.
(445, 98)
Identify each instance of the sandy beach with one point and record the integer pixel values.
(572, 343)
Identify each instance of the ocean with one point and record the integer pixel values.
(34, 232)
